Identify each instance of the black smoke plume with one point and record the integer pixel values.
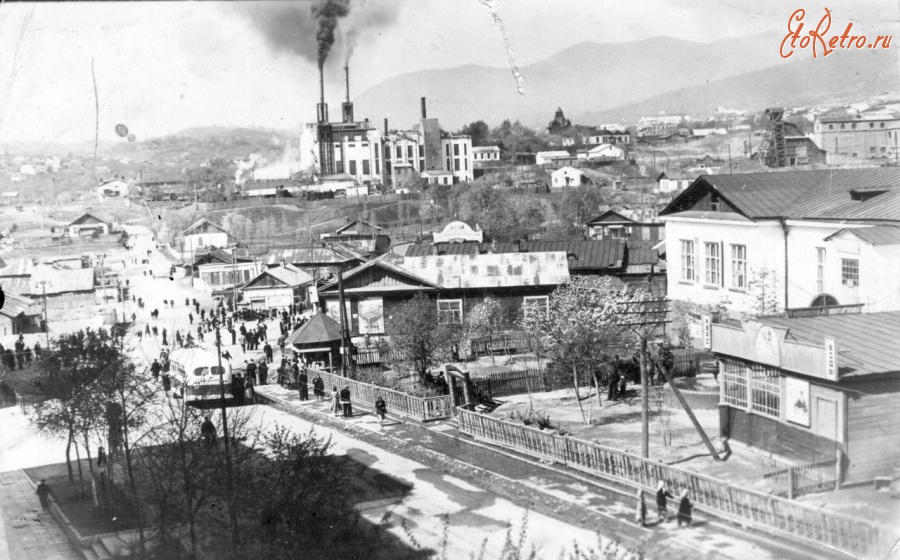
(327, 13)
(311, 33)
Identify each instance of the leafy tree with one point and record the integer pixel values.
(215, 176)
(419, 336)
(484, 320)
(478, 130)
(501, 217)
(238, 225)
(583, 323)
(576, 206)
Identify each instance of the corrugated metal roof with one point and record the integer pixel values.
(491, 271)
(866, 342)
(289, 275)
(602, 253)
(313, 255)
(819, 194)
(17, 267)
(876, 235)
(59, 281)
(14, 305)
(642, 256)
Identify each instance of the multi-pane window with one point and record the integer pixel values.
(450, 311)
(739, 266)
(713, 263)
(687, 260)
(850, 273)
(352, 167)
(820, 270)
(765, 390)
(735, 378)
(365, 166)
(537, 304)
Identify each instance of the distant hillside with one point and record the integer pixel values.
(598, 78)
(844, 76)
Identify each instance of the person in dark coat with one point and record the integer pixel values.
(380, 409)
(208, 432)
(303, 386)
(233, 335)
(250, 370)
(43, 492)
(282, 375)
(263, 373)
(249, 392)
(295, 374)
(191, 318)
(662, 502)
(237, 388)
(612, 383)
(268, 351)
(319, 388)
(684, 509)
(167, 383)
(165, 341)
(346, 405)
(155, 367)
(101, 457)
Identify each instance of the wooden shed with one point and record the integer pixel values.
(813, 389)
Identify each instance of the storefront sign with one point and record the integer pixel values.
(796, 400)
(706, 327)
(831, 364)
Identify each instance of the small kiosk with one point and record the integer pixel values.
(318, 342)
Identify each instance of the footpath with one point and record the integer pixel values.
(27, 532)
(580, 500)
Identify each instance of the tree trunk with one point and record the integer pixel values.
(69, 460)
(577, 396)
(599, 386)
(80, 473)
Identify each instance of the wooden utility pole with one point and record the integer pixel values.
(229, 472)
(345, 336)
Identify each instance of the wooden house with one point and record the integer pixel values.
(277, 286)
(813, 389)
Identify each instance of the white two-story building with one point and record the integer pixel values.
(762, 243)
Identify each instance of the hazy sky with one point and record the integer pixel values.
(163, 67)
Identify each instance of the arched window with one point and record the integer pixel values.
(824, 300)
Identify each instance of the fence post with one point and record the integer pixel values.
(790, 483)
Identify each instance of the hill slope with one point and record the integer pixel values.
(599, 77)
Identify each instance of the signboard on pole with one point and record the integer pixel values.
(706, 328)
(831, 359)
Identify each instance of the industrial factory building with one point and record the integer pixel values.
(390, 157)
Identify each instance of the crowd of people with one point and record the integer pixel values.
(22, 356)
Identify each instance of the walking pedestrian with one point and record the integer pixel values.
(303, 385)
(662, 502)
(263, 373)
(233, 335)
(641, 513)
(237, 388)
(250, 369)
(43, 492)
(346, 405)
(319, 388)
(147, 330)
(281, 343)
(208, 432)
(167, 383)
(380, 409)
(684, 509)
(154, 368)
(336, 401)
(268, 350)
(191, 318)
(165, 342)
(249, 392)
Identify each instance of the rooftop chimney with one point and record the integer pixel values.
(385, 127)
(424, 115)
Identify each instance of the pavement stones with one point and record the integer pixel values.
(28, 532)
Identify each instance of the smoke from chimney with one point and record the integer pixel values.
(294, 28)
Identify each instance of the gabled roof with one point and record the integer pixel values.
(319, 330)
(17, 267)
(337, 253)
(866, 342)
(15, 305)
(88, 218)
(199, 223)
(610, 216)
(592, 254)
(820, 194)
(289, 275)
(876, 235)
(358, 223)
(219, 256)
(385, 262)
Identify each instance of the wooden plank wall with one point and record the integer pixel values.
(874, 440)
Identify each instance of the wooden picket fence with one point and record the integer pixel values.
(508, 383)
(500, 344)
(768, 513)
(795, 481)
(402, 404)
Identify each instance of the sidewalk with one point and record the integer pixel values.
(558, 491)
(28, 532)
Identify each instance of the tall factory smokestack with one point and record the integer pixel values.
(424, 115)
(322, 107)
(347, 106)
(385, 127)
